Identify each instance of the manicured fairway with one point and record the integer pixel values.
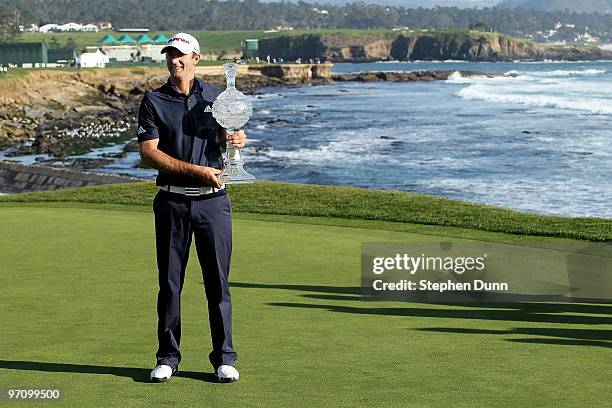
(78, 313)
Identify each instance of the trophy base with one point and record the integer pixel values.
(235, 174)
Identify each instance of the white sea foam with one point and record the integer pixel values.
(558, 72)
(492, 94)
(457, 78)
(346, 145)
(560, 89)
(267, 96)
(442, 62)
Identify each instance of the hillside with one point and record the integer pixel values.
(584, 6)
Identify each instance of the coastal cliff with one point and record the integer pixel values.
(421, 45)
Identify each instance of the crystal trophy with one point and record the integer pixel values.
(232, 111)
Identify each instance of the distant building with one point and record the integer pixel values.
(32, 28)
(126, 39)
(160, 39)
(64, 56)
(105, 25)
(133, 30)
(144, 39)
(126, 49)
(134, 53)
(93, 59)
(26, 53)
(108, 40)
(279, 28)
(152, 52)
(48, 28)
(68, 27)
(250, 48)
(91, 28)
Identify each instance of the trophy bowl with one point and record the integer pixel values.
(232, 110)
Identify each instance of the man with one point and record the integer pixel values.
(178, 136)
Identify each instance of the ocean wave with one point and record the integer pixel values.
(557, 73)
(450, 61)
(457, 78)
(553, 62)
(362, 145)
(511, 83)
(271, 95)
(493, 94)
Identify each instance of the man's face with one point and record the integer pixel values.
(181, 66)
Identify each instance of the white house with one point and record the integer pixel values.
(90, 27)
(92, 59)
(68, 27)
(48, 28)
(153, 51)
(71, 27)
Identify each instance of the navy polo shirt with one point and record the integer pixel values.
(184, 126)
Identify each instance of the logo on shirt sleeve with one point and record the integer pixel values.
(141, 130)
(208, 109)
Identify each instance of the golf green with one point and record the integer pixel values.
(78, 313)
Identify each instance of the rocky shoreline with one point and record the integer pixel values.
(412, 76)
(57, 114)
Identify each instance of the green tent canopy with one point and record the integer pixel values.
(161, 39)
(126, 39)
(144, 39)
(108, 39)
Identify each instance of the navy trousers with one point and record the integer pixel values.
(209, 219)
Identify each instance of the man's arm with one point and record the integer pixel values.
(153, 157)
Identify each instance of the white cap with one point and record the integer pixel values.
(183, 42)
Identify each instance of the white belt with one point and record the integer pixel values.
(191, 191)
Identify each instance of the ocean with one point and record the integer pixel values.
(536, 138)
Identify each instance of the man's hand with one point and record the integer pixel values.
(153, 157)
(238, 139)
(210, 176)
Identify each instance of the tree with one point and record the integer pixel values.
(70, 43)
(480, 27)
(9, 24)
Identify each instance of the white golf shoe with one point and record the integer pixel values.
(227, 373)
(162, 373)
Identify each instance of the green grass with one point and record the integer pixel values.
(80, 284)
(266, 197)
(109, 71)
(232, 39)
(209, 40)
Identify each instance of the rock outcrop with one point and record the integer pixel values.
(295, 72)
(411, 76)
(21, 178)
(66, 113)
